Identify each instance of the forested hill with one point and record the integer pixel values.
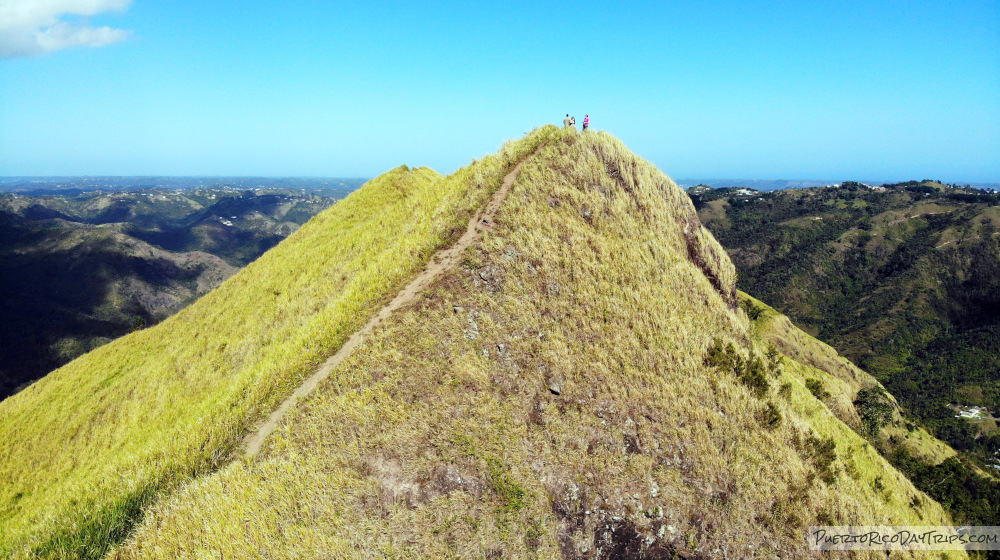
(903, 279)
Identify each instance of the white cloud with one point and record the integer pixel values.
(33, 27)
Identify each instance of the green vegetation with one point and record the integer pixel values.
(552, 395)
(815, 387)
(823, 453)
(511, 495)
(770, 416)
(84, 450)
(750, 370)
(875, 409)
(956, 483)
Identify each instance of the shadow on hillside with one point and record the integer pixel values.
(59, 304)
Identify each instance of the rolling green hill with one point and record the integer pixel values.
(585, 383)
(236, 225)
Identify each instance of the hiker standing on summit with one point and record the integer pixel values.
(566, 121)
(586, 121)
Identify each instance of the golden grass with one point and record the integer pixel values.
(442, 436)
(86, 448)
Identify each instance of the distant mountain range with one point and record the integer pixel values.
(328, 186)
(342, 186)
(781, 184)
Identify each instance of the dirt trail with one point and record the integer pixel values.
(439, 262)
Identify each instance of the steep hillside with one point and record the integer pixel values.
(584, 385)
(841, 386)
(83, 450)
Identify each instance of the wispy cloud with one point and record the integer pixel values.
(34, 27)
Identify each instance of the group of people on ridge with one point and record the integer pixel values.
(571, 121)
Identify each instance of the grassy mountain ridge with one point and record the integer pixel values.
(83, 450)
(839, 382)
(583, 386)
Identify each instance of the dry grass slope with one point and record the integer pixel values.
(808, 358)
(555, 397)
(84, 450)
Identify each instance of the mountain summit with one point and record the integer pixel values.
(581, 381)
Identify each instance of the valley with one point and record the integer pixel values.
(81, 268)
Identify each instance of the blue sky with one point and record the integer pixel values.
(804, 90)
